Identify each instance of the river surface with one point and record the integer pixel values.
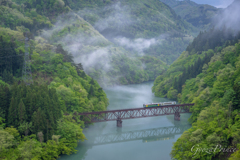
(148, 138)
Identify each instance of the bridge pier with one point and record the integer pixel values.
(119, 123)
(177, 116)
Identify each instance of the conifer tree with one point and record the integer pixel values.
(5, 101)
(236, 98)
(13, 113)
(91, 92)
(29, 105)
(39, 121)
(21, 112)
(92, 82)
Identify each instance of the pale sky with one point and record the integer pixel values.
(216, 3)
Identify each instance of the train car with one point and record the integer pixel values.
(159, 104)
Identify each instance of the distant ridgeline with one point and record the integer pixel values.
(136, 19)
(208, 75)
(199, 15)
(116, 41)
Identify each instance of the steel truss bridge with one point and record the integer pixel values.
(119, 115)
(163, 133)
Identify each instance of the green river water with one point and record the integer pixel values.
(148, 138)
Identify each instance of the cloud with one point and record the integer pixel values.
(94, 51)
(224, 3)
(229, 17)
(139, 44)
(87, 46)
(96, 59)
(118, 15)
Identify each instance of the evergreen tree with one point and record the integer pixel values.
(5, 101)
(79, 66)
(21, 112)
(29, 105)
(91, 92)
(92, 82)
(25, 127)
(39, 121)
(67, 57)
(236, 98)
(13, 113)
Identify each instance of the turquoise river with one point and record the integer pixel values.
(148, 138)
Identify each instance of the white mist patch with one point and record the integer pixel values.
(60, 24)
(96, 59)
(229, 18)
(224, 3)
(119, 16)
(139, 44)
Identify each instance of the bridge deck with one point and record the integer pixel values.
(120, 114)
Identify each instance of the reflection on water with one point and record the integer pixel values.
(139, 139)
(146, 135)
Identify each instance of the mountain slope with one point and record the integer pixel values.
(131, 24)
(32, 115)
(207, 74)
(199, 15)
(215, 115)
(101, 59)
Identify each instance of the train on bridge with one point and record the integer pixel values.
(159, 104)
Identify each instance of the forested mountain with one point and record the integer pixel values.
(148, 27)
(207, 74)
(106, 62)
(76, 45)
(199, 15)
(116, 65)
(124, 49)
(40, 115)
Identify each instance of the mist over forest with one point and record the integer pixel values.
(58, 58)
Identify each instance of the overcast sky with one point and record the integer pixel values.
(216, 3)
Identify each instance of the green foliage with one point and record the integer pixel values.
(215, 93)
(61, 87)
(153, 66)
(25, 127)
(235, 156)
(50, 150)
(9, 66)
(140, 19)
(2, 124)
(217, 39)
(30, 149)
(172, 93)
(236, 96)
(71, 131)
(22, 17)
(185, 67)
(199, 15)
(6, 141)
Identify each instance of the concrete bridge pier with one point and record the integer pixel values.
(119, 123)
(177, 116)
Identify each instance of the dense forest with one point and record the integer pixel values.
(78, 47)
(34, 114)
(207, 74)
(42, 114)
(214, 89)
(103, 35)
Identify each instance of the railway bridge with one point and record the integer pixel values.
(119, 115)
